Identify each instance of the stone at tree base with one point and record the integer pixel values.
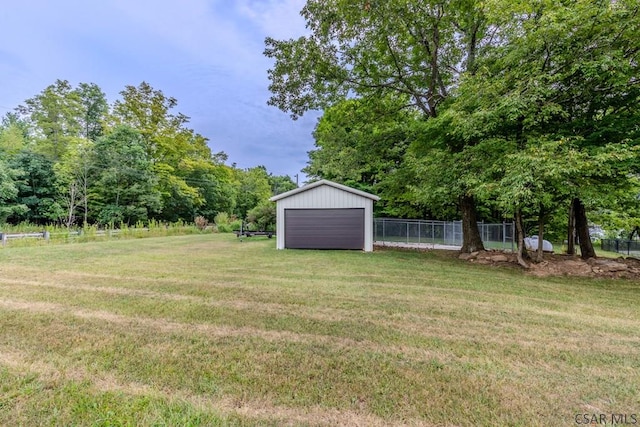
(499, 258)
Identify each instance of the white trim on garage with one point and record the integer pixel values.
(325, 195)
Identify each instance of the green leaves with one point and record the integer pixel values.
(55, 112)
(374, 49)
(361, 143)
(124, 186)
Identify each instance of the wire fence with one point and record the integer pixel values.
(448, 233)
(629, 247)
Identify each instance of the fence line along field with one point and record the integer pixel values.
(208, 330)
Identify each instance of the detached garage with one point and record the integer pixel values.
(325, 215)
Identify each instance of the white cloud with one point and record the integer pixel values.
(206, 53)
(279, 19)
(195, 27)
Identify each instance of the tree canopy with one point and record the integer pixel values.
(67, 156)
(512, 109)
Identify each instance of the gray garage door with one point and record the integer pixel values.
(324, 228)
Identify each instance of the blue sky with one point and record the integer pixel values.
(205, 53)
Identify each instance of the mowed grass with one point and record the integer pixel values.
(208, 330)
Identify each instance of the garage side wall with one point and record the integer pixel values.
(325, 197)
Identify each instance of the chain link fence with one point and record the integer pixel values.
(628, 247)
(448, 233)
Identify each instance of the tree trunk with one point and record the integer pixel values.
(72, 204)
(521, 250)
(571, 231)
(540, 249)
(582, 230)
(471, 240)
(85, 197)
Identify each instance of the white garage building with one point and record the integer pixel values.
(325, 215)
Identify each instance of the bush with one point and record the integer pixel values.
(224, 228)
(226, 223)
(263, 217)
(221, 219)
(201, 222)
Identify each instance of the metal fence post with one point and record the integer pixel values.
(504, 234)
(407, 231)
(384, 236)
(375, 229)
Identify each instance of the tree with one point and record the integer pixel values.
(362, 143)
(14, 135)
(8, 193)
(253, 188)
(215, 183)
(562, 92)
(73, 173)
(149, 111)
(263, 216)
(281, 184)
(55, 114)
(173, 148)
(94, 109)
(124, 185)
(36, 189)
(415, 50)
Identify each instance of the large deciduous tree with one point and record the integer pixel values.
(561, 94)
(55, 114)
(94, 110)
(362, 143)
(37, 189)
(415, 50)
(124, 186)
(175, 150)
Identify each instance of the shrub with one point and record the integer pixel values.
(263, 216)
(236, 224)
(226, 223)
(201, 222)
(221, 219)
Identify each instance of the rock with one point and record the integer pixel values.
(499, 258)
(575, 268)
(612, 267)
(465, 256)
(633, 260)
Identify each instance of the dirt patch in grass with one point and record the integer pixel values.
(563, 265)
(552, 265)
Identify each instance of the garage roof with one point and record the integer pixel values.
(324, 182)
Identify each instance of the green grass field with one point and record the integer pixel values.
(208, 330)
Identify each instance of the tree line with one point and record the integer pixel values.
(69, 157)
(481, 110)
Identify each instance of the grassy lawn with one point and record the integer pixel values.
(208, 330)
